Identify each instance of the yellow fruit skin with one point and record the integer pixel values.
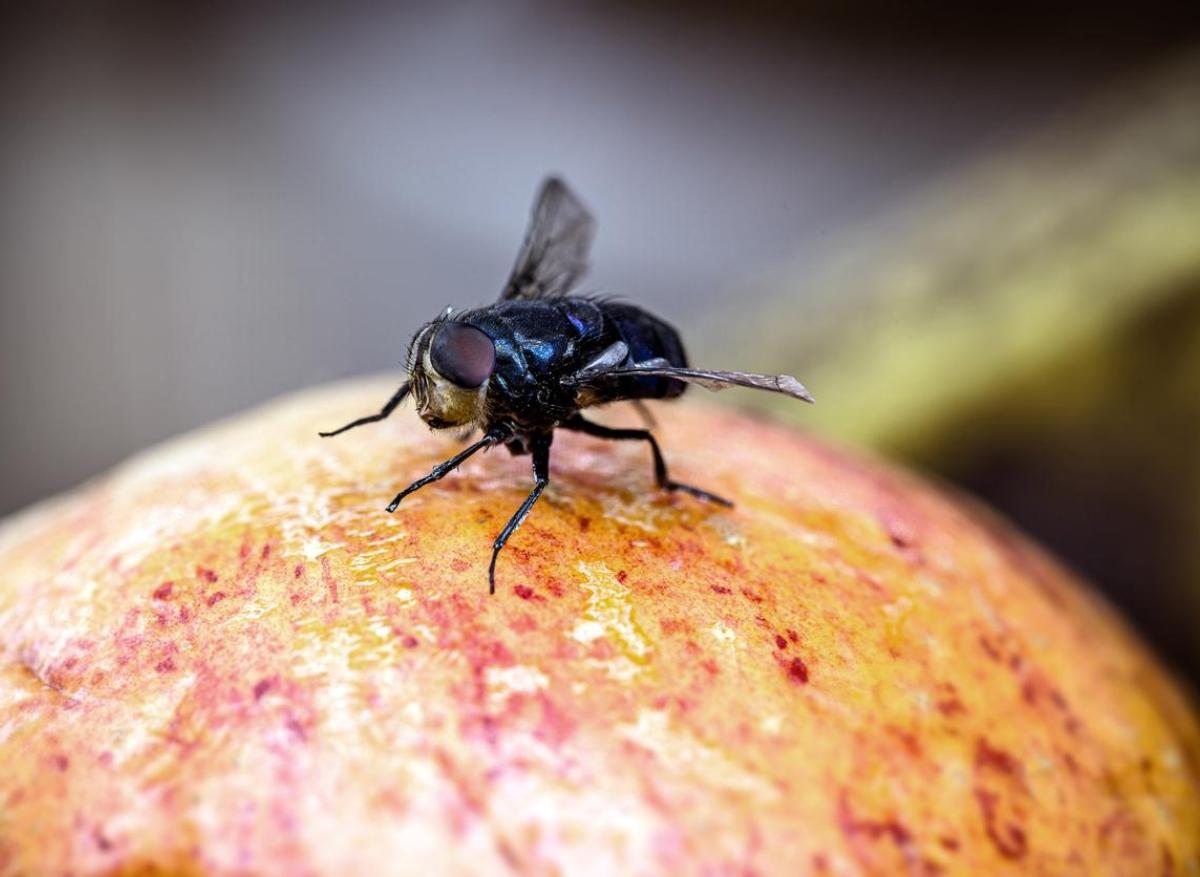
(226, 658)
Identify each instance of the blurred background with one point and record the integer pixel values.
(975, 235)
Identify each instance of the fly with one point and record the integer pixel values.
(532, 362)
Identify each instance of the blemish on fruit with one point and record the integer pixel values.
(331, 585)
(1001, 794)
(872, 829)
(797, 671)
(948, 703)
(527, 593)
(988, 756)
(1008, 838)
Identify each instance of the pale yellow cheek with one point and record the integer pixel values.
(451, 403)
(454, 404)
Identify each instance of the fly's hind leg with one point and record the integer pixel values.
(540, 447)
(579, 424)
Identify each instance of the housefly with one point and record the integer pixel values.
(532, 362)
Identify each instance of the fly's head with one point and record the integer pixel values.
(449, 363)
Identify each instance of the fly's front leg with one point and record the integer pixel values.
(441, 470)
(540, 447)
(373, 418)
(579, 424)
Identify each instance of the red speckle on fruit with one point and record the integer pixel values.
(214, 599)
(990, 648)
(261, 687)
(331, 585)
(166, 665)
(721, 589)
(60, 762)
(987, 756)
(948, 703)
(1002, 796)
(780, 642)
(102, 842)
(207, 574)
(797, 671)
(163, 591)
(1008, 837)
(527, 593)
(871, 829)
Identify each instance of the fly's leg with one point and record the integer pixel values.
(373, 418)
(578, 424)
(441, 470)
(541, 477)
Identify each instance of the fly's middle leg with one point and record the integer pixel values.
(540, 447)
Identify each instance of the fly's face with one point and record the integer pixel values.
(450, 366)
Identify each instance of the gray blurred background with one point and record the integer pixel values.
(206, 205)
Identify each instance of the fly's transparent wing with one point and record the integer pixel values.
(707, 378)
(555, 252)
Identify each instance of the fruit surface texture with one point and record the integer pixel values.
(225, 658)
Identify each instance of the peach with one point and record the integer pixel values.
(226, 658)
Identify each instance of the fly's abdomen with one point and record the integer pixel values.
(647, 338)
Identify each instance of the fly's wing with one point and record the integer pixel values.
(555, 252)
(599, 374)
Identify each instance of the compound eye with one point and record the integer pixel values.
(462, 355)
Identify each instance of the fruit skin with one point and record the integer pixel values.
(225, 658)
